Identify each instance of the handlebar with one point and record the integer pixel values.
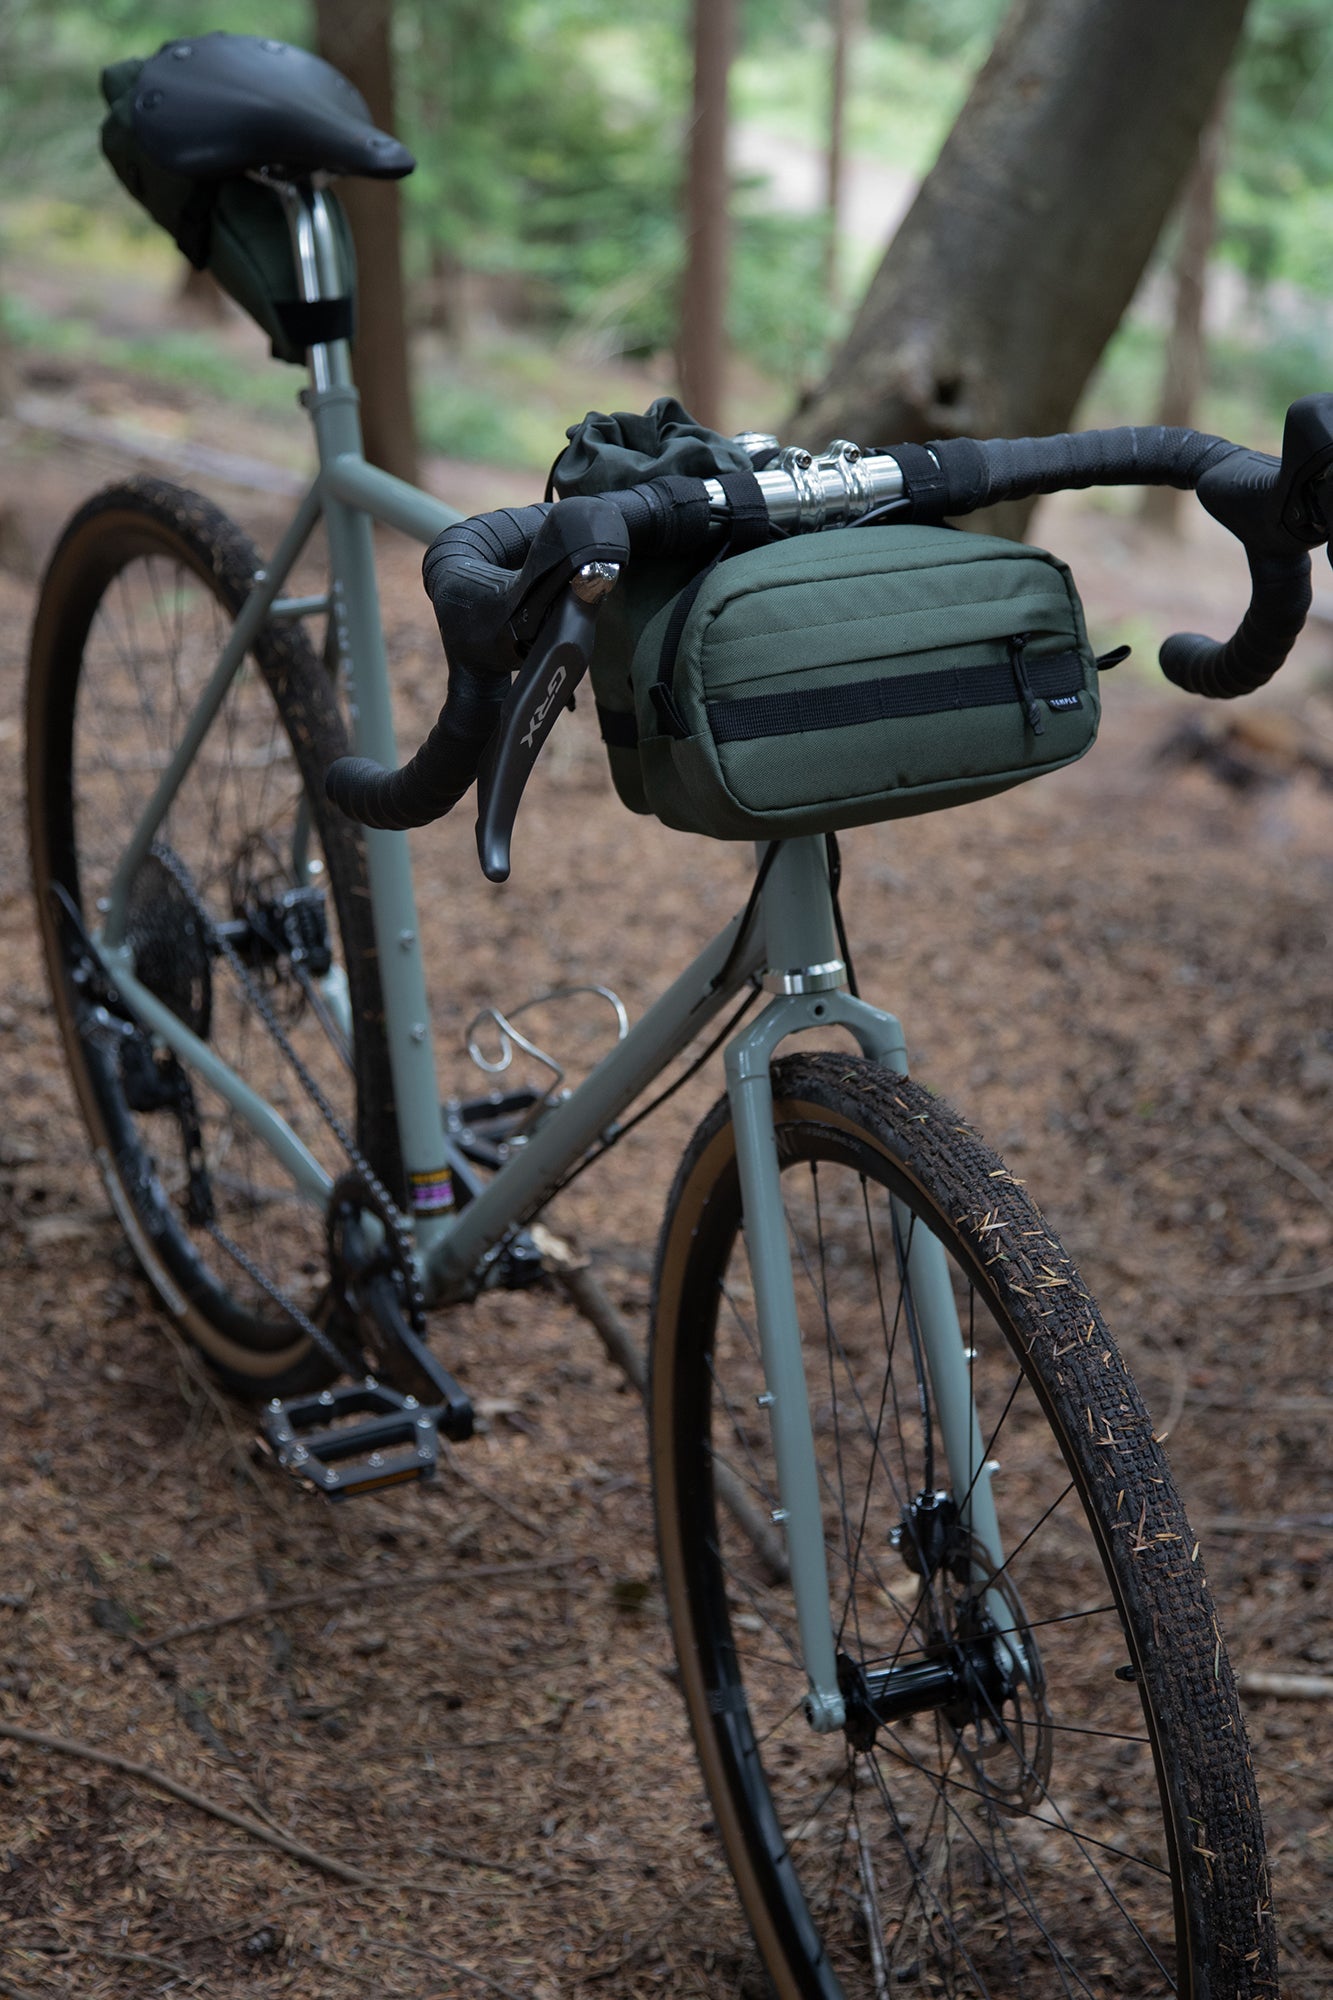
(516, 592)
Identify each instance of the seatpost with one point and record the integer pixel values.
(321, 270)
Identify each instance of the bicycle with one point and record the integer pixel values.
(967, 1722)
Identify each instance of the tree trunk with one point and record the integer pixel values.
(354, 35)
(1028, 236)
(1183, 367)
(703, 303)
(846, 17)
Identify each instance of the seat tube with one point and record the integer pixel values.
(354, 608)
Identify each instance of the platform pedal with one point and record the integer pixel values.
(317, 1438)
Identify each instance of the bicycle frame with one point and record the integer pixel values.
(789, 947)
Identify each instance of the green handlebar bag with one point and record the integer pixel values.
(861, 674)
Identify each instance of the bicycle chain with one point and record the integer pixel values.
(394, 1222)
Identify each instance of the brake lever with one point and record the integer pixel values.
(560, 656)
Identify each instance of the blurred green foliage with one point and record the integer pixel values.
(550, 136)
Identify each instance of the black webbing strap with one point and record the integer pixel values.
(1057, 679)
(618, 727)
(750, 529)
(750, 526)
(310, 323)
(927, 489)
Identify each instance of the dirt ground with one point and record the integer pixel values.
(464, 1694)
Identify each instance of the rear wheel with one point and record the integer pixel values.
(249, 919)
(1042, 1787)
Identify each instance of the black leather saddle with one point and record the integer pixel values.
(218, 105)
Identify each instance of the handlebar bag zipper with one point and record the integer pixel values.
(861, 674)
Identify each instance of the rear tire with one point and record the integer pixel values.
(1091, 1828)
(135, 607)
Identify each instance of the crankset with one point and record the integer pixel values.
(359, 1436)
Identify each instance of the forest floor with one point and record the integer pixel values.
(465, 1692)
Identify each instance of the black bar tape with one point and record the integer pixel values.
(441, 772)
(978, 473)
(1280, 598)
(670, 516)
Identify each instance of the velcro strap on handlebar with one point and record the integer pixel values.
(927, 488)
(750, 526)
(669, 516)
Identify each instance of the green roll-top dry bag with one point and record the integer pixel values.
(861, 674)
(234, 228)
(607, 454)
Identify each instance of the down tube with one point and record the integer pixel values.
(527, 1179)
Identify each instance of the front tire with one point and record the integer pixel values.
(1090, 1827)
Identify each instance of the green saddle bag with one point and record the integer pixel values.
(861, 674)
(234, 228)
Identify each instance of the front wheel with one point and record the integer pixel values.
(1042, 1787)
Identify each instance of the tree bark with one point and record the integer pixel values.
(846, 18)
(703, 305)
(354, 35)
(1029, 235)
(1185, 359)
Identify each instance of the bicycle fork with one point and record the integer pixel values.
(807, 979)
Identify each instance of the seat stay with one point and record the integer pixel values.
(268, 587)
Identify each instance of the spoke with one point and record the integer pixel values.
(965, 1827)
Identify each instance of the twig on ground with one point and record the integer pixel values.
(1245, 1129)
(341, 1593)
(483, 1492)
(1313, 1183)
(628, 1957)
(1292, 1687)
(272, 1836)
(588, 1297)
(327, 1864)
(68, 1746)
(445, 1964)
(64, 1951)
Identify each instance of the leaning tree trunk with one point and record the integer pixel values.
(1030, 233)
(1186, 351)
(354, 35)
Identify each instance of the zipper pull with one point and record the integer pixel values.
(1027, 700)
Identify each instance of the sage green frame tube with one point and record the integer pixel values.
(264, 1122)
(563, 1138)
